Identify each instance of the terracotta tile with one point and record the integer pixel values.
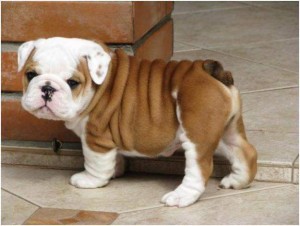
(68, 216)
(270, 206)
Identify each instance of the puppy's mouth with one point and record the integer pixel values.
(45, 108)
(46, 112)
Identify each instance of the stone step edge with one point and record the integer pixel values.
(72, 159)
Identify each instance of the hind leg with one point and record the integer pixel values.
(193, 183)
(241, 154)
(199, 142)
(197, 171)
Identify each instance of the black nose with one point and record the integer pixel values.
(48, 91)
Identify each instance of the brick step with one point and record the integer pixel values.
(111, 22)
(40, 154)
(157, 43)
(18, 124)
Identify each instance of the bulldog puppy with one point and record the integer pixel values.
(121, 104)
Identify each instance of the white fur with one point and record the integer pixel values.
(174, 94)
(193, 184)
(61, 56)
(239, 176)
(99, 168)
(62, 106)
(78, 127)
(230, 148)
(57, 59)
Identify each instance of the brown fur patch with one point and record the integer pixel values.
(134, 109)
(30, 65)
(82, 75)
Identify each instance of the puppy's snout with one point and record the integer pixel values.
(48, 91)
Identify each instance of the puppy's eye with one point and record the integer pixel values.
(30, 75)
(72, 83)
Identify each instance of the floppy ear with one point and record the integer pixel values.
(98, 62)
(25, 50)
(23, 53)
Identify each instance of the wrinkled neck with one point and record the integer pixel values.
(100, 89)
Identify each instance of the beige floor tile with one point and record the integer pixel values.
(46, 216)
(50, 188)
(273, 206)
(248, 76)
(234, 27)
(186, 7)
(178, 46)
(288, 6)
(14, 210)
(296, 171)
(274, 172)
(282, 54)
(274, 111)
(296, 176)
(274, 147)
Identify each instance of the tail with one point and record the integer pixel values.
(215, 69)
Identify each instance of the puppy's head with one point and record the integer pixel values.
(60, 75)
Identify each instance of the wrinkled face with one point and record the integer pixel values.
(60, 76)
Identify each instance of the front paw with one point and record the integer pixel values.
(86, 180)
(179, 198)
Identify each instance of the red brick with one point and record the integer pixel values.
(148, 14)
(159, 44)
(156, 45)
(111, 22)
(17, 124)
(10, 80)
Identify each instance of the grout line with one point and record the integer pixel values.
(210, 10)
(270, 89)
(252, 44)
(243, 45)
(31, 215)
(238, 57)
(293, 167)
(209, 198)
(265, 7)
(269, 131)
(247, 191)
(141, 209)
(193, 47)
(20, 197)
(294, 162)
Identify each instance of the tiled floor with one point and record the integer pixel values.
(258, 43)
(134, 199)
